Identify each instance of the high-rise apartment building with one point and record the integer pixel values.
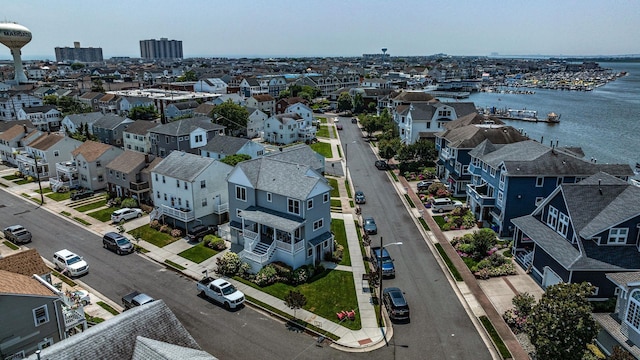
(77, 53)
(161, 49)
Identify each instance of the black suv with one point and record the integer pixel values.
(118, 243)
(200, 231)
(396, 304)
(381, 165)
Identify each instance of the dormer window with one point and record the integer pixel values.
(618, 236)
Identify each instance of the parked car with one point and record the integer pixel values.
(81, 194)
(81, 296)
(118, 243)
(125, 214)
(395, 303)
(424, 185)
(70, 263)
(359, 197)
(382, 165)
(339, 126)
(134, 299)
(370, 227)
(200, 231)
(221, 291)
(441, 205)
(354, 120)
(17, 234)
(381, 257)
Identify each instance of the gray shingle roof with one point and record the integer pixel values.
(88, 118)
(140, 127)
(549, 240)
(110, 121)
(470, 136)
(185, 166)
(228, 145)
(300, 154)
(283, 178)
(116, 338)
(149, 349)
(186, 126)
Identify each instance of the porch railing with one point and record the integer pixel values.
(184, 215)
(260, 259)
(221, 209)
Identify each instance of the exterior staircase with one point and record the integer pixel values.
(261, 248)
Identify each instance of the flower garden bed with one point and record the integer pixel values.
(480, 251)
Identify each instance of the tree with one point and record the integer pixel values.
(372, 107)
(231, 115)
(358, 103)
(147, 112)
(234, 159)
(345, 102)
(620, 354)
(560, 326)
(187, 76)
(96, 86)
(67, 105)
(77, 66)
(389, 148)
(295, 300)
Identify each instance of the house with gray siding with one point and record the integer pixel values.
(12, 141)
(73, 123)
(186, 135)
(136, 136)
(108, 129)
(125, 178)
(279, 211)
(582, 232)
(39, 156)
(190, 189)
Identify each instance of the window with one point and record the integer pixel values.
(166, 139)
(294, 206)
(492, 172)
(309, 204)
(177, 183)
(538, 200)
(124, 176)
(618, 236)
(164, 180)
(156, 177)
(186, 204)
(239, 213)
(241, 193)
(204, 202)
(45, 343)
(632, 317)
(325, 198)
(552, 217)
(180, 138)
(158, 194)
(186, 186)
(165, 197)
(41, 315)
(198, 138)
(56, 153)
(563, 224)
(500, 198)
(100, 178)
(539, 181)
(269, 197)
(203, 184)
(465, 169)
(318, 224)
(98, 163)
(502, 179)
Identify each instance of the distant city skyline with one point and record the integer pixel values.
(291, 28)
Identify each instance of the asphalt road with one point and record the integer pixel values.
(439, 325)
(242, 334)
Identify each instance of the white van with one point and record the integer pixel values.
(444, 204)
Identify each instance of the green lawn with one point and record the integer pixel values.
(59, 196)
(92, 206)
(323, 131)
(103, 215)
(323, 149)
(337, 228)
(10, 177)
(44, 191)
(22, 181)
(331, 293)
(198, 253)
(334, 187)
(439, 220)
(336, 203)
(152, 236)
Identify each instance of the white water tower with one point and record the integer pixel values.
(15, 36)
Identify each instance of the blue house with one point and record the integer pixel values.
(462, 136)
(279, 211)
(581, 232)
(510, 180)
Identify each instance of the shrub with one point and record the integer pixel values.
(300, 275)
(245, 270)
(30, 178)
(165, 229)
(129, 203)
(176, 233)
(146, 208)
(117, 201)
(268, 275)
(214, 242)
(18, 173)
(283, 270)
(524, 303)
(155, 224)
(228, 264)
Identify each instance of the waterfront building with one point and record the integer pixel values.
(78, 54)
(161, 49)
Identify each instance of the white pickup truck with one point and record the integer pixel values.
(221, 291)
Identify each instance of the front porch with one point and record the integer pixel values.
(66, 176)
(31, 166)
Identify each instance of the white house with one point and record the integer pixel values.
(255, 123)
(73, 122)
(211, 85)
(301, 109)
(45, 117)
(190, 189)
(222, 146)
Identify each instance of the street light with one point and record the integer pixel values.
(380, 275)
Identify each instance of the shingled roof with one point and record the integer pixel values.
(18, 284)
(186, 126)
(123, 337)
(91, 150)
(27, 262)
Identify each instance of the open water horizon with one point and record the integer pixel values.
(604, 122)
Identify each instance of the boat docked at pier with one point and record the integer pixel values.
(519, 114)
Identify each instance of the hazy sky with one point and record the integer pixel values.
(331, 27)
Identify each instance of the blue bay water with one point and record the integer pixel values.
(604, 122)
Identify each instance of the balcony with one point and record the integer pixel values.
(68, 167)
(309, 130)
(446, 155)
(178, 214)
(138, 186)
(58, 183)
(221, 209)
(480, 194)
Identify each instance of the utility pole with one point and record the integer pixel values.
(35, 158)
